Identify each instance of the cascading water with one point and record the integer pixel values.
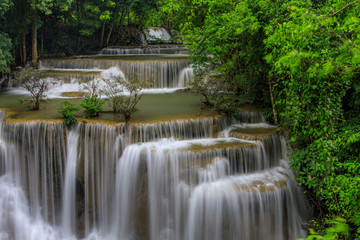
(68, 208)
(186, 75)
(206, 178)
(142, 182)
(165, 73)
(142, 51)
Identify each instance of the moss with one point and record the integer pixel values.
(253, 133)
(74, 94)
(197, 148)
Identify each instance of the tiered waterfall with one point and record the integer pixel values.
(195, 179)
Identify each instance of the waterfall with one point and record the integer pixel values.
(68, 209)
(129, 51)
(167, 180)
(214, 178)
(151, 50)
(265, 201)
(165, 73)
(186, 75)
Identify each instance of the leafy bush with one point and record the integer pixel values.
(67, 110)
(92, 105)
(338, 229)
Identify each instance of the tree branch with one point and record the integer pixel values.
(338, 11)
(343, 8)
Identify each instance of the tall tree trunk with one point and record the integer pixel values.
(122, 18)
(21, 53)
(108, 36)
(168, 23)
(34, 39)
(102, 35)
(24, 49)
(42, 40)
(139, 27)
(273, 103)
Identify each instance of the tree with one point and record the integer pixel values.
(314, 54)
(124, 95)
(5, 53)
(313, 51)
(5, 42)
(114, 90)
(226, 37)
(217, 93)
(36, 83)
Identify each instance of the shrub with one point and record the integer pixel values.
(67, 110)
(92, 105)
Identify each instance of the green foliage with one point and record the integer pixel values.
(5, 53)
(226, 37)
(67, 110)
(313, 53)
(92, 105)
(36, 83)
(217, 94)
(338, 230)
(312, 66)
(4, 6)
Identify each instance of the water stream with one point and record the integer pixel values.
(208, 178)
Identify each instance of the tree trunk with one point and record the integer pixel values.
(168, 24)
(42, 40)
(273, 103)
(139, 27)
(21, 53)
(24, 49)
(34, 40)
(108, 36)
(102, 35)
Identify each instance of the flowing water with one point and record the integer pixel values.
(170, 180)
(208, 178)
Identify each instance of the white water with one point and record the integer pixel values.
(68, 208)
(265, 201)
(186, 76)
(165, 73)
(162, 188)
(150, 50)
(56, 89)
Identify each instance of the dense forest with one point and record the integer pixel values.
(299, 59)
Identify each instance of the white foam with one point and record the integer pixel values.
(226, 132)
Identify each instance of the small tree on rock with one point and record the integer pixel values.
(124, 95)
(36, 83)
